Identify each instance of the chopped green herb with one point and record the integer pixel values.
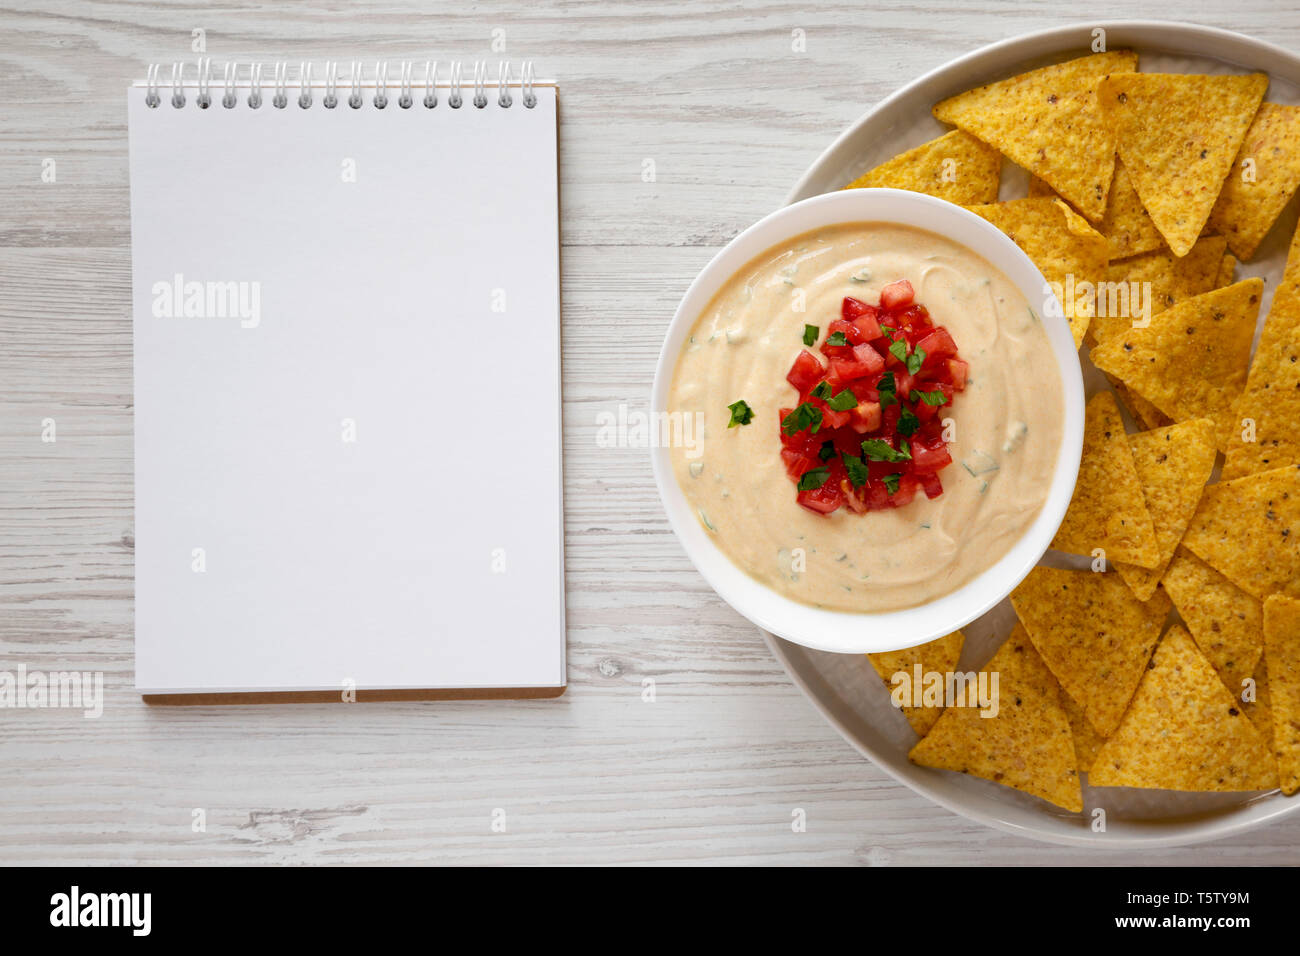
(864, 275)
(805, 416)
(891, 482)
(908, 422)
(814, 479)
(888, 389)
(930, 398)
(898, 348)
(888, 328)
(810, 333)
(857, 470)
(843, 401)
(980, 463)
(837, 338)
(914, 361)
(822, 390)
(877, 449)
(741, 413)
(827, 451)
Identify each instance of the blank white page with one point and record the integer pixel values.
(348, 471)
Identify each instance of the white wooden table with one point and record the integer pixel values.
(710, 771)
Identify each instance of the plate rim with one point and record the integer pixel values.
(1178, 36)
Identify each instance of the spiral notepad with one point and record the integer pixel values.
(347, 377)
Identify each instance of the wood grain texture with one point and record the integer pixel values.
(713, 768)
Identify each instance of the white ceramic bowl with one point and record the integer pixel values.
(836, 630)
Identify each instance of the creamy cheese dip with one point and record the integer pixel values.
(1005, 432)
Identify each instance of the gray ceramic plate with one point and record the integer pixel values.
(844, 687)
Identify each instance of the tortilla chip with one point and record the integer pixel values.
(1027, 745)
(1177, 134)
(1087, 742)
(1172, 280)
(1173, 465)
(1263, 179)
(1146, 415)
(1291, 273)
(1227, 272)
(1061, 244)
(938, 656)
(1038, 188)
(1225, 621)
(1107, 509)
(1271, 398)
(1190, 362)
(1094, 635)
(1184, 731)
(1248, 529)
(956, 167)
(1048, 121)
(1282, 645)
(1127, 225)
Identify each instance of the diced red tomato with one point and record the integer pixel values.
(867, 328)
(930, 459)
(853, 498)
(823, 500)
(831, 418)
(861, 362)
(852, 308)
(957, 369)
(866, 417)
(937, 345)
(806, 372)
(844, 328)
(796, 463)
(896, 295)
(859, 366)
(926, 412)
(907, 488)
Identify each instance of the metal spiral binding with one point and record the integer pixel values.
(306, 87)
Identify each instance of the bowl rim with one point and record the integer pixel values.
(845, 631)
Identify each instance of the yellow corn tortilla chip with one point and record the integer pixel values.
(1227, 272)
(1060, 242)
(1093, 634)
(1107, 509)
(1184, 731)
(1190, 362)
(1177, 135)
(1027, 745)
(1248, 529)
(1127, 225)
(1087, 742)
(956, 167)
(1161, 277)
(1146, 415)
(1263, 179)
(1173, 465)
(939, 656)
(1038, 188)
(1269, 410)
(1048, 121)
(1225, 621)
(1282, 645)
